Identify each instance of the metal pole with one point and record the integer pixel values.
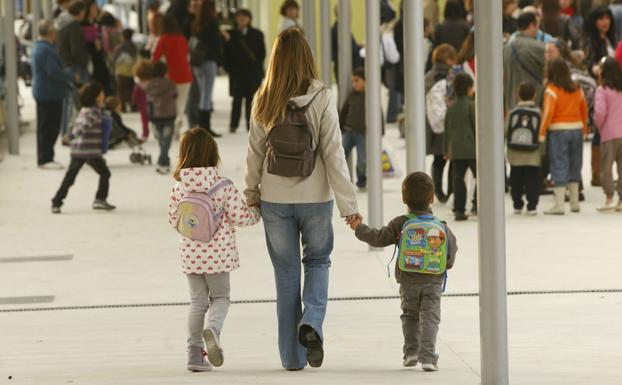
(48, 9)
(36, 16)
(345, 51)
(325, 38)
(414, 63)
(372, 112)
(10, 65)
(308, 22)
(491, 194)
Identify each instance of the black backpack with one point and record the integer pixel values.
(523, 128)
(290, 143)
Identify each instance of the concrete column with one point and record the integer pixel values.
(372, 112)
(345, 50)
(12, 118)
(48, 9)
(491, 193)
(414, 87)
(308, 23)
(325, 41)
(36, 16)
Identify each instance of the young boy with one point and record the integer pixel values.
(523, 150)
(89, 142)
(161, 97)
(352, 121)
(420, 292)
(459, 145)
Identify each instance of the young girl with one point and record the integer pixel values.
(565, 116)
(207, 264)
(89, 142)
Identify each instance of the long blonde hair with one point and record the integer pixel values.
(290, 72)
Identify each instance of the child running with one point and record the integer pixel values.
(206, 262)
(427, 248)
(89, 142)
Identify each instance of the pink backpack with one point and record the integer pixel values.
(198, 219)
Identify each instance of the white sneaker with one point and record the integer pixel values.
(609, 205)
(429, 367)
(532, 212)
(518, 211)
(51, 166)
(214, 351)
(410, 361)
(163, 170)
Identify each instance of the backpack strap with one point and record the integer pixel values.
(219, 186)
(306, 106)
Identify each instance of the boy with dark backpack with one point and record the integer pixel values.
(426, 249)
(523, 150)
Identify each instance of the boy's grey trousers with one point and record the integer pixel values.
(421, 315)
(207, 291)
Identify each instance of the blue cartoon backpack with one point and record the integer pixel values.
(422, 246)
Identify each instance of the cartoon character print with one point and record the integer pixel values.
(435, 240)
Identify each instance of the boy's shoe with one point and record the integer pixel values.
(609, 205)
(431, 367)
(55, 209)
(532, 212)
(410, 361)
(214, 351)
(315, 350)
(461, 217)
(518, 211)
(474, 211)
(197, 361)
(163, 170)
(53, 165)
(103, 205)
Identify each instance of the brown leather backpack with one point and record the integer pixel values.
(290, 143)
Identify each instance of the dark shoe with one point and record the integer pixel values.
(233, 129)
(474, 211)
(441, 197)
(581, 197)
(213, 134)
(103, 205)
(313, 343)
(55, 209)
(461, 217)
(294, 369)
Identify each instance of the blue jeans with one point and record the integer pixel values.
(566, 156)
(164, 133)
(69, 103)
(286, 225)
(353, 139)
(205, 75)
(394, 105)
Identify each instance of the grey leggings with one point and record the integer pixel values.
(207, 291)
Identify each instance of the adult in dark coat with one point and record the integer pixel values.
(51, 82)
(454, 29)
(244, 56)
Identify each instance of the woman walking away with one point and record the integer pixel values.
(207, 255)
(291, 180)
(172, 45)
(608, 118)
(206, 54)
(565, 116)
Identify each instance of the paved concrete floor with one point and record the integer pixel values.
(129, 257)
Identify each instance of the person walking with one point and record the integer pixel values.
(244, 56)
(565, 116)
(206, 54)
(289, 11)
(50, 85)
(173, 47)
(296, 198)
(72, 49)
(608, 118)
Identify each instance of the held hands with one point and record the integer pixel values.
(354, 220)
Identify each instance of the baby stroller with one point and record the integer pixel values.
(120, 133)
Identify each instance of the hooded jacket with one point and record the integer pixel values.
(331, 171)
(161, 96)
(220, 254)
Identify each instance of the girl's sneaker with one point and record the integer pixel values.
(431, 367)
(103, 205)
(410, 361)
(197, 361)
(214, 351)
